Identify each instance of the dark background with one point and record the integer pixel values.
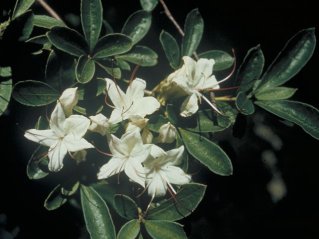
(239, 206)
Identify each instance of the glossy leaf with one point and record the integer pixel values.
(244, 105)
(222, 59)
(165, 230)
(194, 27)
(5, 87)
(85, 69)
(148, 5)
(21, 7)
(91, 18)
(106, 191)
(137, 25)
(70, 187)
(112, 44)
(55, 199)
(156, 121)
(129, 230)
(34, 93)
(184, 160)
(125, 206)
(35, 165)
(41, 39)
(106, 28)
(299, 113)
(275, 93)
(123, 64)
(47, 22)
(96, 214)
(116, 72)
(207, 152)
(21, 28)
(171, 114)
(204, 122)
(251, 68)
(68, 40)
(189, 196)
(290, 60)
(138, 53)
(171, 49)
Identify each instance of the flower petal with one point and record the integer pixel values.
(210, 83)
(117, 116)
(99, 124)
(114, 166)
(115, 93)
(56, 155)
(135, 171)
(68, 100)
(144, 106)
(189, 106)
(43, 137)
(57, 119)
(203, 70)
(176, 175)
(156, 185)
(136, 90)
(117, 148)
(77, 125)
(184, 83)
(74, 145)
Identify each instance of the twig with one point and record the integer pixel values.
(170, 16)
(50, 10)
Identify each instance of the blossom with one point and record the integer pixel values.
(99, 124)
(68, 100)
(128, 155)
(140, 123)
(132, 103)
(167, 133)
(65, 135)
(161, 171)
(192, 78)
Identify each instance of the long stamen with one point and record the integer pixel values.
(148, 206)
(232, 72)
(101, 151)
(214, 107)
(105, 99)
(134, 71)
(170, 192)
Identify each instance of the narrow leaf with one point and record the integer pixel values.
(106, 28)
(290, 60)
(125, 206)
(41, 39)
(91, 18)
(36, 165)
(34, 93)
(244, 105)
(162, 229)
(129, 230)
(171, 49)
(70, 186)
(148, 5)
(207, 152)
(116, 72)
(138, 53)
(47, 22)
(275, 93)
(250, 69)
(194, 27)
(112, 44)
(55, 199)
(21, 7)
(96, 214)
(299, 113)
(189, 196)
(123, 64)
(85, 69)
(5, 87)
(137, 25)
(222, 59)
(68, 40)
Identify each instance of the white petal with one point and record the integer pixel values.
(77, 125)
(133, 142)
(147, 136)
(204, 69)
(176, 175)
(184, 84)
(68, 100)
(167, 133)
(74, 145)
(210, 83)
(136, 90)
(57, 119)
(117, 148)
(116, 95)
(117, 116)
(190, 65)
(56, 155)
(173, 157)
(189, 106)
(135, 172)
(99, 124)
(144, 106)
(114, 166)
(43, 137)
(156, 185)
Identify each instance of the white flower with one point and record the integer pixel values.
(65, 135)
(68, 100)
(167, 133)
(99, 124)
(140, 124)
(161, 171)
(128, 154)
(192, 78)
(132, 103)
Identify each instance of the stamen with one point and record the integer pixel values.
(101, 151)
(214, 107)
(134, 71)
(148, 206)
(232, 72)
(170, 192)
(105, 101)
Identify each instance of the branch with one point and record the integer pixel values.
(50, 10)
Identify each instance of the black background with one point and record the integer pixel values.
(238, 206)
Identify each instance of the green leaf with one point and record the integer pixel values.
(55, 199)
(222, 59)
(184, 160)
(156, 121)
(138, 53)
(137, 25)
(91, 90)
(5, 87)
(85, 69)
(96, 214)
(36, 165)
(34, 93)
(148, 5)
(129, 230)
(91, 18)
(299, 113)
(165, 230)
(70, 186)
(207, 152)
(204, 122)
(125, 206)
(290, 60)
(116, 72)
(194, 27)
(275, 93)
(68, 40)
(244, 105)
(106, 27)
(21, 7)
(123, 64)
(171, 49)
(171, 114)
(189, 196)
(112, 44)
(250, 69)
(47, 22)
(43, 40)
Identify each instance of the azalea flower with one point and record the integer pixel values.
(167, 133)
(140, 123)
(161, 171)
(68, 100)
(132, 103)
(128, 155)
(192, 78)
(65, 135)
(99, 124)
